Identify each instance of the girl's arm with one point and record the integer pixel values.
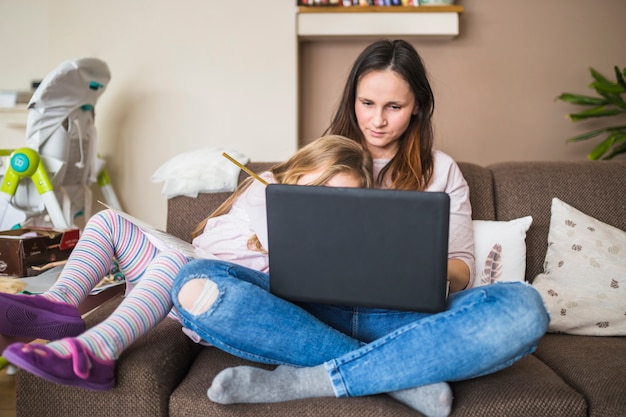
(254, 200)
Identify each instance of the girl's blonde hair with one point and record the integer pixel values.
(331, 155)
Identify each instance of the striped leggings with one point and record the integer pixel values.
(150, 272)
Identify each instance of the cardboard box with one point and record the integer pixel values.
(23, 249)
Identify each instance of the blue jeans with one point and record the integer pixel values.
(367, 351)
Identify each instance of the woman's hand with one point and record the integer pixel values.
(458, 275)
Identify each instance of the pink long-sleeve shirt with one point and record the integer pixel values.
(227, 236)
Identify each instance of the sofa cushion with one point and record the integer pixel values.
(480, 182)
(583, 285)
(190, 398)
(527, 188)
(594, 366)
(527, 388)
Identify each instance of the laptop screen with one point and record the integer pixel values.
(356, 246)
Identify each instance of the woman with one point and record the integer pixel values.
(342, 351)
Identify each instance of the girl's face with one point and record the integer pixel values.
(342, 179)
(384, 105)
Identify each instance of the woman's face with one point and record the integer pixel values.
(384, 105)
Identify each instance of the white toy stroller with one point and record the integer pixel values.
(60, 162)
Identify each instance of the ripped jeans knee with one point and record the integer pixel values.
(197, 295)
(203, 284)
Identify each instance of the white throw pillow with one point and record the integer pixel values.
(199, 171)
(584, 280)
(500, 250)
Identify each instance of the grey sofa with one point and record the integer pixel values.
(165, 374)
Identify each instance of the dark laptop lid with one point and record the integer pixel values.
(356, 246)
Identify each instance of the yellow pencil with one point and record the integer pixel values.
(234, 161)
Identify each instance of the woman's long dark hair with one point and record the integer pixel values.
(412, 166)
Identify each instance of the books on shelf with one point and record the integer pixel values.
(357, 3)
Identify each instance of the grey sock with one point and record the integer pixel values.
(246, 384)
(434, 400)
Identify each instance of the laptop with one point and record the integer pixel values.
(359, 247)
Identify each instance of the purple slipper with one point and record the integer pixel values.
(37, 317)
(80, 368)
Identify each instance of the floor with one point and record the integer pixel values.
(7, 394)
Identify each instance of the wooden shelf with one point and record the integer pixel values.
(333, 22)
(380, 9)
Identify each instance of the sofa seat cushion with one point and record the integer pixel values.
(527, 388)
(593, 365)
(153, 366)
(190, 398)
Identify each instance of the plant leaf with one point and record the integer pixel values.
(602, 84)
(599, 111)
(614, 99)
(603, 147)
(594, 133)
(597, 76)
(582, 100)
(620, 77)
(610, 103)
(621, 137)
(607, 87)
(620, 149)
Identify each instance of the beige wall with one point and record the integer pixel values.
(199, 73)
(185, 75)
(496, 83)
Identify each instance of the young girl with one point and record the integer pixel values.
(344, 351)
(236, 232)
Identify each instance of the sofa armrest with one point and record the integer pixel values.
(184, 213)
(146, 375)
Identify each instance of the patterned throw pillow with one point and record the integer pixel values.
(584, 280)
(500, 250)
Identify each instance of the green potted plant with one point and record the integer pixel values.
(609, 102)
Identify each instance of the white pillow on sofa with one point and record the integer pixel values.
(584, 280)
(500, 250)
(199, 171)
